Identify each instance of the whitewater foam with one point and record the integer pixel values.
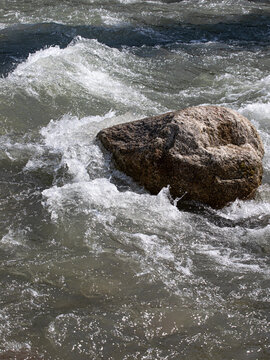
(13, 239)
(233, 260)
(85, 68)
(101, 194)
(258, 112)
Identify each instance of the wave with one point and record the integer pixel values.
(17, 42)
(87, 77)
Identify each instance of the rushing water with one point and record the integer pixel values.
(91, 265)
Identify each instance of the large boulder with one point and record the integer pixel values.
(209, 154)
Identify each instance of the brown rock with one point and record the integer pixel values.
(206, 153)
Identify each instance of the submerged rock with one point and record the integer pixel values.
(209, 154)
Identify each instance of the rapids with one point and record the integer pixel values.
(91, 265)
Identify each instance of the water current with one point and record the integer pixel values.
(91, 265)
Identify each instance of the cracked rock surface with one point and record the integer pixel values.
(209, 154)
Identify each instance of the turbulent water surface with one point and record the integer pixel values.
(91, 265)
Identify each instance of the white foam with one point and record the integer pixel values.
(13, 239)
(258, 112)
(101, 194)
(154, 247)
(73, 139)
(110, 18)
(130, 1)
(85, 67)
(262, 236)
(15, 150)
(245, 209)
(232, 260)
(104, 206)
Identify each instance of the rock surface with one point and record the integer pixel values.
(209, 154)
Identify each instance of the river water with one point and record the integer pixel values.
(91, 265)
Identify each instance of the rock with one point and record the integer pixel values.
(209, 154)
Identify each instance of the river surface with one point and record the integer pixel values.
(91, 265)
